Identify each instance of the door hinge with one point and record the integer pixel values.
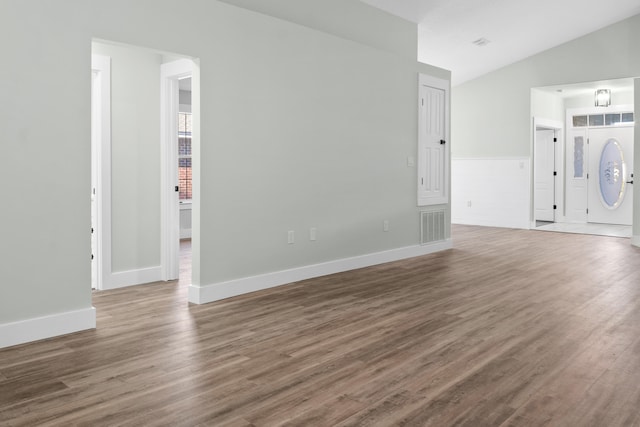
(91, 257)
(555, 139)
(421, 181)
(422, 102)
(587, 211)
(587, 176)
(555, 173)
(555, 207)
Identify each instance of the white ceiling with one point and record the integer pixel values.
(516, 29)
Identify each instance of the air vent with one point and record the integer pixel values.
(432, 226)
(481, 42)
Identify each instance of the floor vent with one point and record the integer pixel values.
(432, 226)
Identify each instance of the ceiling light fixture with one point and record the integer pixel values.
(603, 98)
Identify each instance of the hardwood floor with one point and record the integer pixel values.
(509, 328)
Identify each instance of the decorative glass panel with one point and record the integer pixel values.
(578, 157)
(627, 117)
(612, 174)
(611, 119)
(579, 121)
(596, 120)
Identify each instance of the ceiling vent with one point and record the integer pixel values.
(481, 42)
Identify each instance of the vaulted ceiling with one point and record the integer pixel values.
(504, 31)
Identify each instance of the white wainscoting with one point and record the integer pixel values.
(493, 192)
(219, 291)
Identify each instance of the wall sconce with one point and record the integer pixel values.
(603, 98)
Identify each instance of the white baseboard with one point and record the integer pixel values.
(47, 327)
(185, 233)
(635, 240)
(123, 279)
(219, 291)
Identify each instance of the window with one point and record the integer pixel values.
(184, 156)
(578, 157)
(596, 120)
(611, 119)
(627, 117)
(579, 121)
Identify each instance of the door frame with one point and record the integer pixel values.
(558, 127)
(424, 198)
(101, 166)
(170, 73)
(569, 113)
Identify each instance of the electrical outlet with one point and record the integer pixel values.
(313, 233)
(411, 162)
(385, 225)
(291, 238)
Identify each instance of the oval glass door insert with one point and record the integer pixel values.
(612, 179)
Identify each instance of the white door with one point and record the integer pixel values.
(544, 179)
(432, 142)
(610, 169)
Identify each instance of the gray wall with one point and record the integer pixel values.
(299, 128)
(491, 115)
(45, 165)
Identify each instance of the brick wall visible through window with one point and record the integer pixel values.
(184, 156)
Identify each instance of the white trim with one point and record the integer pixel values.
(219, 291)
(102, 66)
(122, 279)
(541, 122)
(170, 217)
(635, 240)
(40, 328)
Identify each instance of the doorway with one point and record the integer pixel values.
(131, 172)
(100, 171)
(544, 175)
(600, 159)
(547, 171)
(176, 152)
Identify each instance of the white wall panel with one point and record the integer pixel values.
(491, 192)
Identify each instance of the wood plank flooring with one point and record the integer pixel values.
(509, 328)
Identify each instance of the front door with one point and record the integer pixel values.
(610, 175)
